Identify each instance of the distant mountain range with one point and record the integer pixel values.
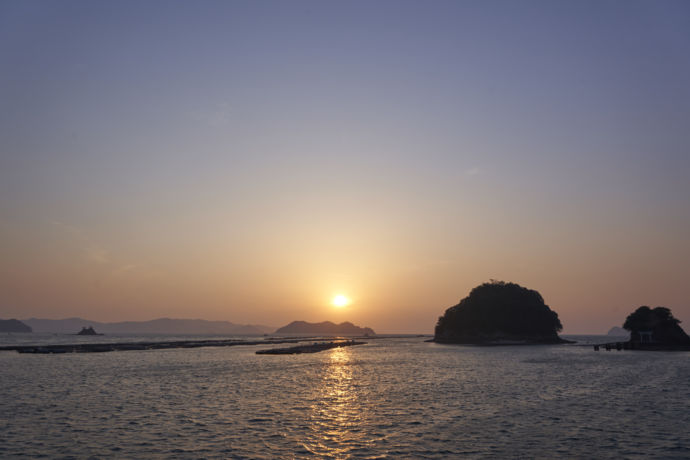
(156, 326)
(178, 326)
(326, 327)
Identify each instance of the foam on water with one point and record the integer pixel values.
(390, 398)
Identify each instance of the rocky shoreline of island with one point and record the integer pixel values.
(493, 341)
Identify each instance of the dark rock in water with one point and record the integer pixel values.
(655, 327)
(13, 325)
(618, 332)
(325, 328)
(87, 331)
(499, 313)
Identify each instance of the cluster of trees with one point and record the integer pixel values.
(660, 322)
(500, 308)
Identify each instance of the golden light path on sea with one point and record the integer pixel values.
(338, 413)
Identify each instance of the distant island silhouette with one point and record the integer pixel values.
(499, 313)
(88, 331)
(326, 328)
(617, 332)
(13, 325)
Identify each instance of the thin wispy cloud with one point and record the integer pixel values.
(71, 229)
(429, 265)
(91, 250)
(215, 117)
(97, 254)
(124, 269)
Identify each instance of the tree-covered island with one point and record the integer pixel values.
(655, 327)
(498, 313)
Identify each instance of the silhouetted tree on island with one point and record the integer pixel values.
(499, 311)
(655, 326)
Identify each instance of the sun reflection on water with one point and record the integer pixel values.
(336, 415)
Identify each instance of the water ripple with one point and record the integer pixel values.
(390, 398)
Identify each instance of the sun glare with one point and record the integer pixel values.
(340, 301)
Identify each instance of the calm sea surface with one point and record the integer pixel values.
(395, 398)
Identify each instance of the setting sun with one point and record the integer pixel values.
(340, 301)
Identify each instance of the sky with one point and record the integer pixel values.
(249, 160)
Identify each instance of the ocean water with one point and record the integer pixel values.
(391, 398)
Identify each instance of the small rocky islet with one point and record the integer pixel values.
(88, 331)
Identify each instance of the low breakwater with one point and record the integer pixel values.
(129, 346)
(640, 346)
(309, 348)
